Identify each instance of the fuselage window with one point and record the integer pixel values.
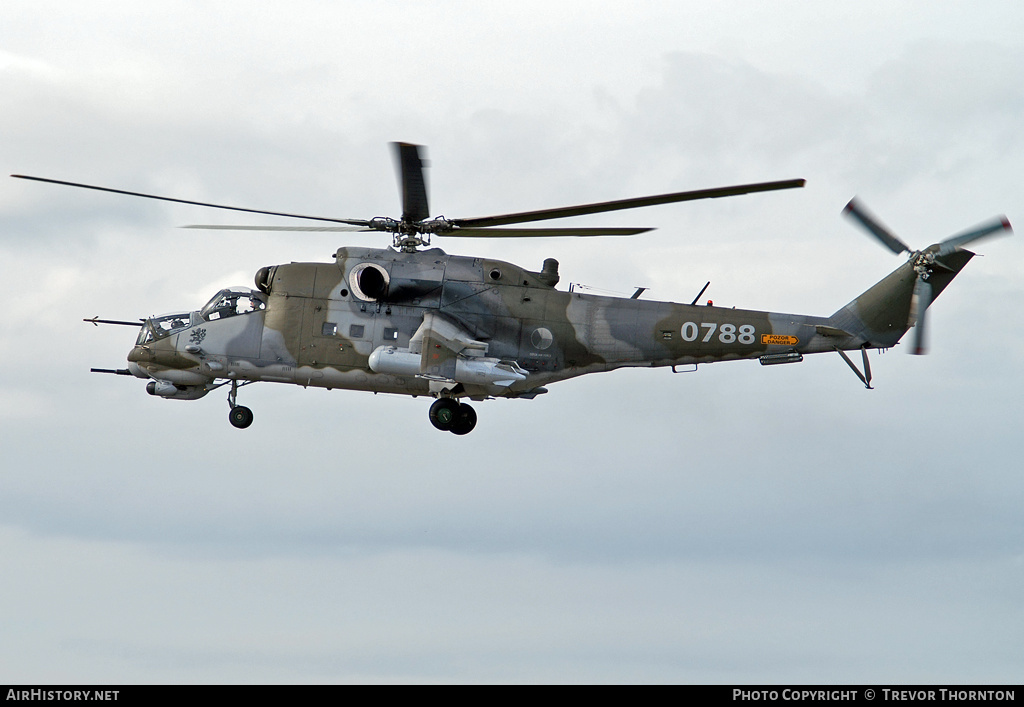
(355, 331)
(329, 329)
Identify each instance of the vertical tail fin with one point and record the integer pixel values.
(882, 314)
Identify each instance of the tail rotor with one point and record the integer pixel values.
(926, 262)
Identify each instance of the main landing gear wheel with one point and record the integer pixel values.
(465, 420)
(449, 415)
(443, 413)
(240, 416)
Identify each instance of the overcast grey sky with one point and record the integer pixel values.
(738, 524)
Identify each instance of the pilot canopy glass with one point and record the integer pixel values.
(163, 326)
(232, 302)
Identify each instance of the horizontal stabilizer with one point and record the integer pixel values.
(832, 331)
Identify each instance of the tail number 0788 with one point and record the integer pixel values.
(727, 333)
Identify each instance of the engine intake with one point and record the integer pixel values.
(265, 278)
(369, 282)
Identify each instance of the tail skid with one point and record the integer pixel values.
(883, 314)
(865, 377)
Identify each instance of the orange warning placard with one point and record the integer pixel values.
(779, 340)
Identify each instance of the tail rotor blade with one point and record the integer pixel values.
(996, 226)
(918, 311)
(868, 220)
(414, 187)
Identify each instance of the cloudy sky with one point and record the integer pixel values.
(737, 524)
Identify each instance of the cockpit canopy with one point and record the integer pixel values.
(166, 324)
(231, 302)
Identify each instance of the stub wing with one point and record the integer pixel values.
(440, 342)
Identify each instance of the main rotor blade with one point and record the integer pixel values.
(354, 222)
(868, 220)
(535, 232)
(414, 187)
(992, 227)
(584, 209)
(919, 304)
(332, 229)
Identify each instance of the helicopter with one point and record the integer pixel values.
(413, 320)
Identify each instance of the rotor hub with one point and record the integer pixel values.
(923, 263)
(409, 235)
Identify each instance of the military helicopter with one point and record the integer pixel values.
(413, 320)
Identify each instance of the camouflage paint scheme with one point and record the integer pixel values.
(421, 322)
(431, 316)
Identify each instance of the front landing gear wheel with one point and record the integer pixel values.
(443, 413)
(240, 416)
(465, 420)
